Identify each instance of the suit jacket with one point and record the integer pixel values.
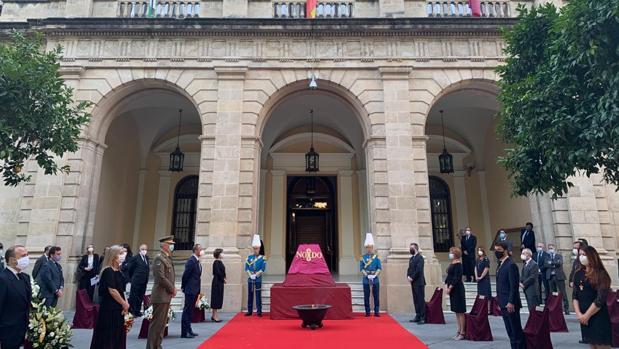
(575, 267)
(554, 267)
(191, 276)
(139, 269)
(540, 259)
(530, 279)
(96, 266)
(37, 266)
(507, 284)
(163, 275)
(468, 244)
(529, 240)
(415, 270)
(50, 279)
(15, 296)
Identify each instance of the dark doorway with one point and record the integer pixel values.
(312, 216)
(185, 208)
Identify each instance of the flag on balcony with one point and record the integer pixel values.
(151, 9)
(310, 8)
(475, 6)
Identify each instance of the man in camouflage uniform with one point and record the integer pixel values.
(163, 291)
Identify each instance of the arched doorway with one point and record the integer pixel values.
(440, 208)
(136, 194)
(338, 136)
(312, 216)
(184, 213)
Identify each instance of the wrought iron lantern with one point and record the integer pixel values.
(445, 160)
(312, 158)
(177, 157)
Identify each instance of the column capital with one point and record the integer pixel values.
(231, 73)
(345, 173)
(395, 73)
(278, 173)
(374, 141)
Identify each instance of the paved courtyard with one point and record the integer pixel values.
(435, 336)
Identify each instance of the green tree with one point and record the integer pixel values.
(38, 118)
(559, 96)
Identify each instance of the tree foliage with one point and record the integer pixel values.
(560, 96)
(38, 118)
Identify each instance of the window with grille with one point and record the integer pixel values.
(440, 206)
(185, 208)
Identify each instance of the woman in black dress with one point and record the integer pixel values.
(217, 286)
(88, 269)
(455, 289)
(482, 274)
(591, 287)
(110, 331)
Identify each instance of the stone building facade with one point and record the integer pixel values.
(240, 71)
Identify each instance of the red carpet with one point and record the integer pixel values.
(256, 333)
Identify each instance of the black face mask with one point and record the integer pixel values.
(499, 254)
(413, 252)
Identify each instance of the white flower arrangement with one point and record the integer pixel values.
(202, 303)
(148, 314)
(47, 327)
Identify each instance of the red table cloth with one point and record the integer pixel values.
(85, 312)
(537, 330)
(434, 308)
(555, 308)
(284, 298)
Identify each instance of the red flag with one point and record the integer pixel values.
(475, 6)
(310, 8)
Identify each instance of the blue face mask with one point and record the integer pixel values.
(502, 236)
(57, 258)
(171, 248)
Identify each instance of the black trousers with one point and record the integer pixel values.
(419, 300)
(514, 328)
(375, 295)
(254, 286)
(559, 286)
(136, 297)
(190, 304)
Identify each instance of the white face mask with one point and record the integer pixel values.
(90, 250)
(143, 252)
(121, 257)
(171, 248)
(540, 249)
(468, 232)
(575, 252)
(481, 253)
(502, 236)
(451, 256)
(201, 253)
(551, 250)
(583, 260)
(523, 257)
(23, 263)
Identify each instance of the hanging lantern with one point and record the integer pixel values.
(445, 160)
(177, 157)
(312, 158)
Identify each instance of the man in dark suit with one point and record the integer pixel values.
(530, 279)
(527, 237)
(139, 268)
(50, 278)
(508, 295)
(540, 258)
(15, 296)
(556, 275)
(191, 288)
(417, 279)
(468, 245)
(576, 247)
(2, 262)
(40, 261)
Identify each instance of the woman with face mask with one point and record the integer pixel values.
(482, 273)
(454, 287)
(591, 287)
(217, 286)
(88, 269)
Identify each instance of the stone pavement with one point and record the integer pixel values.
(435, 336)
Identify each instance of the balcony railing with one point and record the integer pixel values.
(165, 9)
(462, 9)
(323, 10)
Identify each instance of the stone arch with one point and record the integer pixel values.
(331, 88)
(106, 108)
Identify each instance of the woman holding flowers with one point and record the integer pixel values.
(110, 330)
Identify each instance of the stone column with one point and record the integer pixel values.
(137, 221)
(485, 210)
(347, 263)
(161, 219)
(226, 204)
(277, 259)
(461, 205)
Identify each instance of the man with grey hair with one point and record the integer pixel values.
(556, 275)
(529, 281)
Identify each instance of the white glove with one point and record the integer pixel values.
(371, 277)
(253, 276)
(409, 279)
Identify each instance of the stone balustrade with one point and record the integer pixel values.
(164, 9)
(461, 9)
(296, 9)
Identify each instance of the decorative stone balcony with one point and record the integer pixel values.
(162, 9)
(296, 9)
(462, 9)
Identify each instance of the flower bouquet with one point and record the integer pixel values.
(202, 302)
(129, 320)
(47, 327)
(148, 314)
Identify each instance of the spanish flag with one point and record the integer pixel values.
(475, 6)
(310, 8)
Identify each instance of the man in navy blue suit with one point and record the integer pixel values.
(191, 288)
(508, 295)
(15, 296)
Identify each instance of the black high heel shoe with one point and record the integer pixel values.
(213, 319)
